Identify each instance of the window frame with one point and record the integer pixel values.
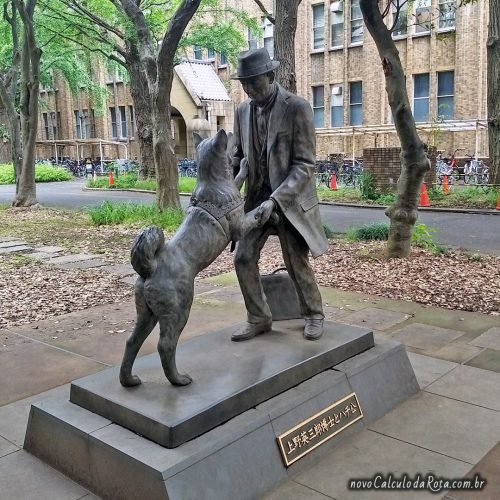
(402, 21)
(421, 98)
(422, 5)
(318, 107)
(333, 98)
(320, 28)
(123, 122)
(355, 9)
(113, 122)
(444, 18)
(332, 24)
(198, 52)
(355, 104)
(445, 96)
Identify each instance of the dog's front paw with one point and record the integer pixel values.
(130, 380)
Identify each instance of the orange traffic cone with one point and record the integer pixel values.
(498, 202)
(111, 181)
(446, 186)
(333, 182)
(424, 197)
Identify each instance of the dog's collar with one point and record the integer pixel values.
(217, 212)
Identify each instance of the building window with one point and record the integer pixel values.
(78, 122)
(132, 121)
(46, 125)
(268, 35)
(356, 103)
(222, 60)
(198, 52)
(423, 16)
(421, 97)
(123, 123)
(318, 34)
(319, 106)
(399, 9)
(337, 107)
(210, 54)
(253, 41)
(114, 127)
(84, 124)
(337, 21)
(446, 95)
(56, 124)
(447, 9)
(356, 22)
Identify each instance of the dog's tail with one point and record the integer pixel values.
(144, 249)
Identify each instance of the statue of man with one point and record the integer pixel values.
(275, 140)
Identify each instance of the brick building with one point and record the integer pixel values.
(443, 52)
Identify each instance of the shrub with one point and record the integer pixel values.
(43, 173)
(367, 186)
(117, 213)
(377, 231)
(385, 199)
(422, 237)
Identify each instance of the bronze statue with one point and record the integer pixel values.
(165, 287)
(274, 133)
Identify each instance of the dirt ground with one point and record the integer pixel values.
(31, 290)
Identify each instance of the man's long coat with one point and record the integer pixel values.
(291, 146)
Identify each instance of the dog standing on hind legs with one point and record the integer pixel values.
(164, 290)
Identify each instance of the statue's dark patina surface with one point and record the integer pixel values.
(274, 132)
(165, 287)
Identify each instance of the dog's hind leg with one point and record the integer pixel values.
(171, 326)
(144, 325)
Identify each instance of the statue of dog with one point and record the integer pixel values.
(165, 287)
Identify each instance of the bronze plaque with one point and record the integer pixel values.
(319, 428)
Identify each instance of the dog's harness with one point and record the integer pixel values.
(217, 212)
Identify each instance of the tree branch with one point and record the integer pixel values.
(265, 12)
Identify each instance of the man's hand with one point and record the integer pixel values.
(265, 211)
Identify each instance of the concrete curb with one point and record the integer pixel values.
(458, 210)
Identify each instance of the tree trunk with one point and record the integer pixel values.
(414, 162)
(493, 55)
(284, 42)
(143, 113)
(28, 109)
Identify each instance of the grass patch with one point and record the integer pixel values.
(43, 173)
(470, 197)
(130, 181)
(128, 213)
(378, 231)
(347, 195)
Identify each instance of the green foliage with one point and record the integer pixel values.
(43, 173)
(127, 213)
(130, 181)
(422, 237)
(7, 174)
(329, 233)
(367, 188)
(50, 173)
(385, 199)
(376, 231)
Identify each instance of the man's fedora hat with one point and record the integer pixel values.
(254, 62)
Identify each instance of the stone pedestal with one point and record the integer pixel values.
(221, 429)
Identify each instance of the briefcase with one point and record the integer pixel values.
(281, 295)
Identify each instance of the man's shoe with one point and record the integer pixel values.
(250, 330)
(313, 329)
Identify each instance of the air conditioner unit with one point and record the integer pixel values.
(337, 6)
(337, 90)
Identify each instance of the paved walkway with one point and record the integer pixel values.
(450, 428)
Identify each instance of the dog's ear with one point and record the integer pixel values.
(197, 138)
(220, 140)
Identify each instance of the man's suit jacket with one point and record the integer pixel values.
(291, 147)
